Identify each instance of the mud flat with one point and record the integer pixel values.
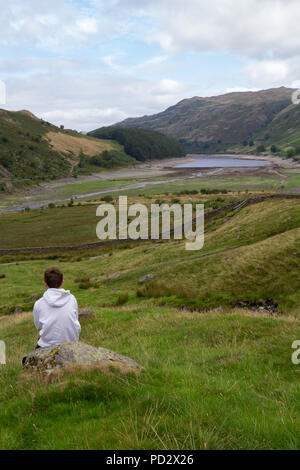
(159, 171)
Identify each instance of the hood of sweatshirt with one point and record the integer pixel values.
(57, 297)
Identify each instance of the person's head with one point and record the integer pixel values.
(53, 278)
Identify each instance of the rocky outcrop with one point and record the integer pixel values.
(86, 314)
(54, 358)
(113, 276)
(32, 298)
(264, 305)
(18, 310)
(147, 278)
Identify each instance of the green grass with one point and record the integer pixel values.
(63, 226)
(251, 183)
(212, 381)
(249, 255)
(68, 190)
(27, 157)
(217, 376)
(25, 154)
(242, 184)
(64, 191)
(293, 183)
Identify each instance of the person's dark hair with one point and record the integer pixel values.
(53, 277)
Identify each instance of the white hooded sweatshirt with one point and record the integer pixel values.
(56, 317)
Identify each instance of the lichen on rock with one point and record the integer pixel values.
(53, 358)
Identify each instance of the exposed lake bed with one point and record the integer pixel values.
(145, 175)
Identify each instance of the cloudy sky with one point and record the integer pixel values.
(88, 63)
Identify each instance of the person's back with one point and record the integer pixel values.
(56, 313)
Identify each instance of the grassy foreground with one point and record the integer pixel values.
(217, 376)
(212, 381)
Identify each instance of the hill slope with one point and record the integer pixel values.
(217, 123)
(284, 129)
(141, 144)
(32, 149)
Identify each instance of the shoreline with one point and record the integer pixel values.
(142, 172)
(273, 159)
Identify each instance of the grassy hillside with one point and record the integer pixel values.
(217, 375)
(281, 136)
(249, 255)
(216, 124)
(32, 150)
(212, 381)
(141, 144)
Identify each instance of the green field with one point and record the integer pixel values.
(218, 376)
(64, 225)
(267, 182)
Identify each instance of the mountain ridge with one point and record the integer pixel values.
(216, 123)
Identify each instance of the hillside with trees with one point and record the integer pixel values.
(141, 144)
(33, 150)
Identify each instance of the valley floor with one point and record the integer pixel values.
(279, 172)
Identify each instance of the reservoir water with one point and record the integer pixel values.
(222, 162)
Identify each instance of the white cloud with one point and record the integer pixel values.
(265, 29)
(87, 118)
(273, 72)
(52, 24)
(82, 39)
(295, 84)
(168, 87)
(261, 29)
(266, 73)
(110, 61)
(236, 89)
(157, 60)
(67, 99)
(87, 25)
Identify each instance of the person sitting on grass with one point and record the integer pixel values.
(56, 313)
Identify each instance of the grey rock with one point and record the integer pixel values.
(229, 359)
(113, 276)
(147, 278)
(86, 313)
(31, 298)
(18, 310)
(52, 358)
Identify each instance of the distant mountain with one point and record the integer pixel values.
(141, 144)
(218, 123)
(33, 150)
